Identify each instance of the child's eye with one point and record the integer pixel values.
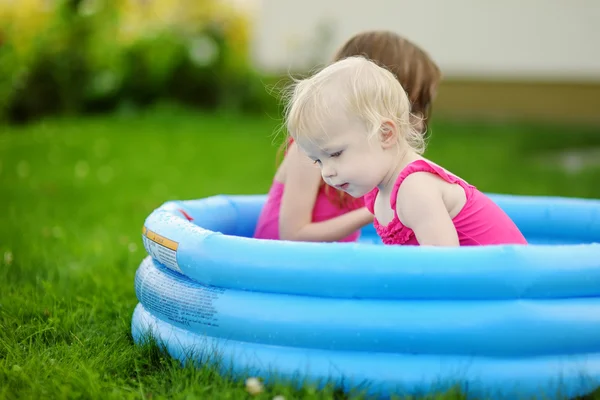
(336, 154)
(317, 162)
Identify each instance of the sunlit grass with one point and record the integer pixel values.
(74, 196)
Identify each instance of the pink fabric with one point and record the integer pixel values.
(267, 226)
(480, 222)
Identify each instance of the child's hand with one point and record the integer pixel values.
(420, 207)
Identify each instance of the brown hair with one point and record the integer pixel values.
(413, 67)
(415, 70)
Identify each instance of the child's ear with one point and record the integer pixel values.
(388, 133)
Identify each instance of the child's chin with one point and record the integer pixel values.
(357, 194)
(353, 193)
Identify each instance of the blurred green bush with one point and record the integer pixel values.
(76, 56)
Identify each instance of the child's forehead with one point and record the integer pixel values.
(321, 142)
(331, 143)
(330, 140)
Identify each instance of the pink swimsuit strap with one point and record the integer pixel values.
(395, 231)
(424, 166)
(415, 166)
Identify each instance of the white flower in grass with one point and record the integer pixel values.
(254, 386)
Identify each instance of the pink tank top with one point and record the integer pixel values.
(267, 226)
(480, 221)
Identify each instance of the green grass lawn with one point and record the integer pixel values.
(74, 196)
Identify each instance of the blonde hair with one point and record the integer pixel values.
(359, 88)
(418, 74)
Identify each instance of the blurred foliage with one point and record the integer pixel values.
(74, 56)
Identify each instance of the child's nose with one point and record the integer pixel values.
(327, 171)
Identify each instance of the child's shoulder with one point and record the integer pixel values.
(417, 173)
(420, 187)
(419, 180)
(430, 187)
(426, 171)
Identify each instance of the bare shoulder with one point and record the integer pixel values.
(421, 183)
(419, 193)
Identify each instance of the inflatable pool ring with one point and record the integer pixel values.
(499, 321)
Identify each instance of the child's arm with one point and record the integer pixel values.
(295, 216)
(420, 206)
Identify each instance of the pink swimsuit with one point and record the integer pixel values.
(480, 222)
(267, 226)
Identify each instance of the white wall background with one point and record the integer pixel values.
(530, 39)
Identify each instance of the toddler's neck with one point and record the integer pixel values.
(406, 157)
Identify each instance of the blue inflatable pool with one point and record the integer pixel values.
(500, 321)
